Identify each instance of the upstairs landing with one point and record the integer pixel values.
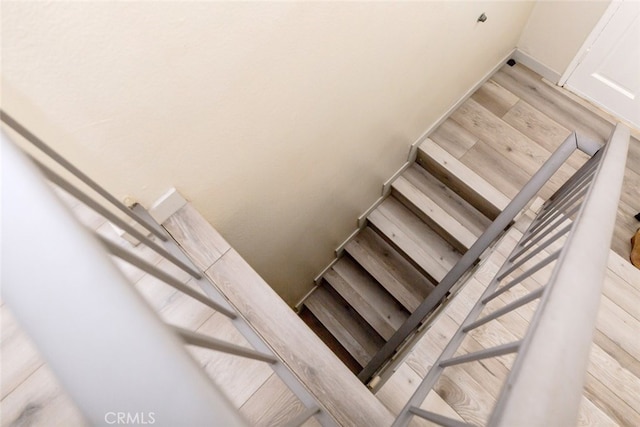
(514, 121)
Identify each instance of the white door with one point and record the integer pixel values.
(609, 72)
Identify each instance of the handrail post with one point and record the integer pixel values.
(555, 353)
(537, 181)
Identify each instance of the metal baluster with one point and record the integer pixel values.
(437, 368)
(136, 261)
(75, 192)
(554, 352)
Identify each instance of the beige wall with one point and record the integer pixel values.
(557, 29)
(280, 121)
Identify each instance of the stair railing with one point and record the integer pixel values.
(409, 328)
(544, 385)
(109, 349)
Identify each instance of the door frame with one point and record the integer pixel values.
(590, 40)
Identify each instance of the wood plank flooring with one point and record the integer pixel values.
(460, 178)
(338, 318)
(413, 237)
(391, 270)
(512, 124)
(545, 113)
(371, 301)
(534, 117)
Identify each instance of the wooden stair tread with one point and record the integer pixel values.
(422, 246)
(497, 170)
(431, 212)
(457, 176)
(453, 138)
(465, 213)
(366, 296)
(355, 335)
(398, 276)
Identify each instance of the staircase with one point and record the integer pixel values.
(435, 211)
(399, 263)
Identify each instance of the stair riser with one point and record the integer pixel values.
(390, 269)
(384, 317)
(404, 254)
(351, 331)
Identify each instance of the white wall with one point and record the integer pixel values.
(557, 29)
(280, 121)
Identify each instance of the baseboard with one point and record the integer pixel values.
(413, 150)
(362, 219)
(537, 66)
(411, 158)
(168, 204)
(316, 282)
(298, 307)
(340, 249)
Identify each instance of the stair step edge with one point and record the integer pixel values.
(428, 210)
(457, 207)
(473, 188)
(367, 297)
(430, 261)
(358, 341)
(401, 279)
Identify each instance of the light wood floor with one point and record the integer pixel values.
(516, 119)
(508, 126)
